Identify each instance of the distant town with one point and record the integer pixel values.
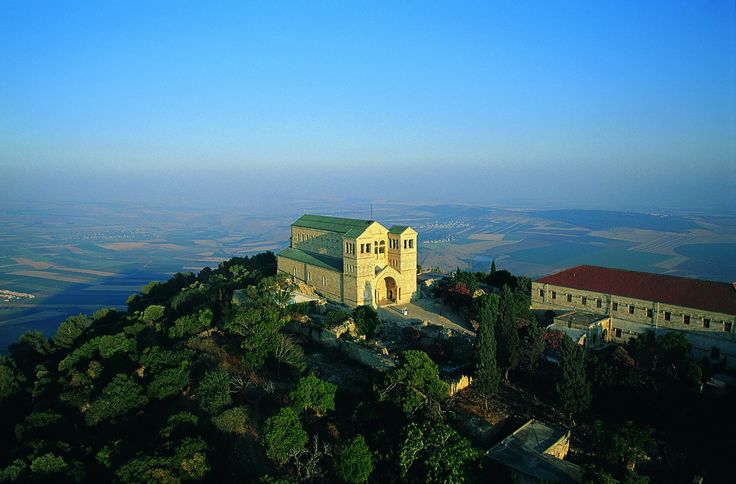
(7, 296)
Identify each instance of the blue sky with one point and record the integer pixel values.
(612, 104)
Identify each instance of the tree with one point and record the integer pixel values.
(284, 435)
(10, 378)
(48, 464)
(70, 330)
(415, 384)
(507, 336)
(623, 445)
(260, 319)
(532, 348)
(169, 382)
(311, 392)
(232, 420)
(119, 397)
(191, 324)
(289, 352)
(354, 464)
(366, 320)
(434, 452)
(493, 266)
(214, 391)
(487, 376)
(573, 389)
(153, 313)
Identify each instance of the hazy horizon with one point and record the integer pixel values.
(618, 106)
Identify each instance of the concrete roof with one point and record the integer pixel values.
(580, 318)
(513, 453)
(574, 333)
(538, 436)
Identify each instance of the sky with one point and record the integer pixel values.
(621, 104)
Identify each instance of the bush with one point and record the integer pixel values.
(355, 462)
(366, 320)
(232, 420)
(214, 391)
(335, 318)
(284, 435)
(311, 392)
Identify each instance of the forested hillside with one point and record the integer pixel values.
(192, 383)
(187, 386)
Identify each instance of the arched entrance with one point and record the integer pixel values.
(391, 290)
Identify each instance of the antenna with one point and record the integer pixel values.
(371, 211)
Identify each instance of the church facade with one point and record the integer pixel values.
(353, 262)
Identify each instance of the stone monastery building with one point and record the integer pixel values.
(705, 311)
(353, 262)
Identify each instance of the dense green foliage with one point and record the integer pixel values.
(354, 464)
(434, 452)
(315, 394)
(507, 335)
(415, 384)
(200, 379)
(573, 389)
(284, 436)
(487, 376)
(366, 320)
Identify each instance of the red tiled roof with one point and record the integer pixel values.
(713, 296)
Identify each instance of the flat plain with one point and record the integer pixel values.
(81, 257)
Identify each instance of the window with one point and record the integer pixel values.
(615, 306)
(598, 303)
(368, 248)
(631, 309)
(405, 244)
(541, 293)
(585, 301)
(649, 312)
(382, 247)
(293, 271)
(309, 276)
(411, 243)
(554, 295)
(667, 315)
(727, 327)
(618, 332)
(706, 323)
(569, 298)
(362, 248)
(685, 319)
(324, 281)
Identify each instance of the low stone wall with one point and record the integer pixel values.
(371, 357)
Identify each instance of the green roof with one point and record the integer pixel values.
(333, 224)
(398, 229)
(319, 260)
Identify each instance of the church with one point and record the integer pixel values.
(353, 262)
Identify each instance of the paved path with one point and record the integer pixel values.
(433, 312)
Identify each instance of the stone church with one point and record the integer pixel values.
(353, 262)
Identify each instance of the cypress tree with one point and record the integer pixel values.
(493, 266)
(573, 389)
(507, 336)
(487, 376)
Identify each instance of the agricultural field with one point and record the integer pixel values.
(80, 257)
